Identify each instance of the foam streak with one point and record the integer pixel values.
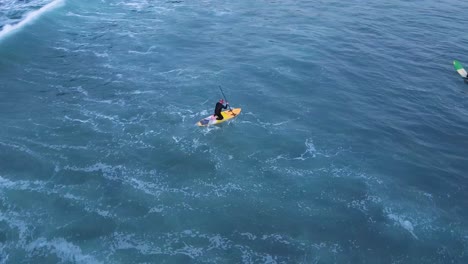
(30, 17)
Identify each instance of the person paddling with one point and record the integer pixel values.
(219, 106)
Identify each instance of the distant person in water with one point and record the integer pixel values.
(219, 106)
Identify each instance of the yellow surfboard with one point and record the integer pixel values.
(227, 114)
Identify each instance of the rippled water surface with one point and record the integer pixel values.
(351, 147)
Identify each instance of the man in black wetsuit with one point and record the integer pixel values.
(219, 106)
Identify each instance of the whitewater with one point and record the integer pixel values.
(350, 147)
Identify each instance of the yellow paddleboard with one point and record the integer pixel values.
(227, 114)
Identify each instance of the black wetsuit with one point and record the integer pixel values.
(219, 106)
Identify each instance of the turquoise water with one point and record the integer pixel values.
(351, 146)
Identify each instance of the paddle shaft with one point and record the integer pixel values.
(224, 96)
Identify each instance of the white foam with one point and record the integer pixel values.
(246, 255)
(61, 48)
(147, 187)
(93, 168)
(136, 5)
(22, 149)
(13, 221)
(149, 51)
(138, 91)
(101, 55)
(221, 190)
(4, 255)
(190, 251)
(362, 204)
(208, 129)
(128, 241)
(66, 251)
(114, 119)
(21, 184)
(310, 150)
(30, 17)
(76, 120)
(107, 170)
(72, 197)
(130, 177)
(335, 248)
(203, 112)
(81, 90)
(268, 259)
(276, 238)
(103, 213)
(75, 15)
(274, 160)
(250, 236)
(87, 207)
(218, 242)
(156, 210)
(404, 223)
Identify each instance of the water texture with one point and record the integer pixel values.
(351, 146)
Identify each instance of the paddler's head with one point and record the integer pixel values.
(221, 101)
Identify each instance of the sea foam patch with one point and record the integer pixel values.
(402, 221)
(29, 18)
(63, 249)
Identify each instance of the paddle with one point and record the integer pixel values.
(225, 99)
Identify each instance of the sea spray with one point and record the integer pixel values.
(28, 18)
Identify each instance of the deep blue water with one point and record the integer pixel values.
(351, 146)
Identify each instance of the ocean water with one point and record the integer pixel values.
(351, 146)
